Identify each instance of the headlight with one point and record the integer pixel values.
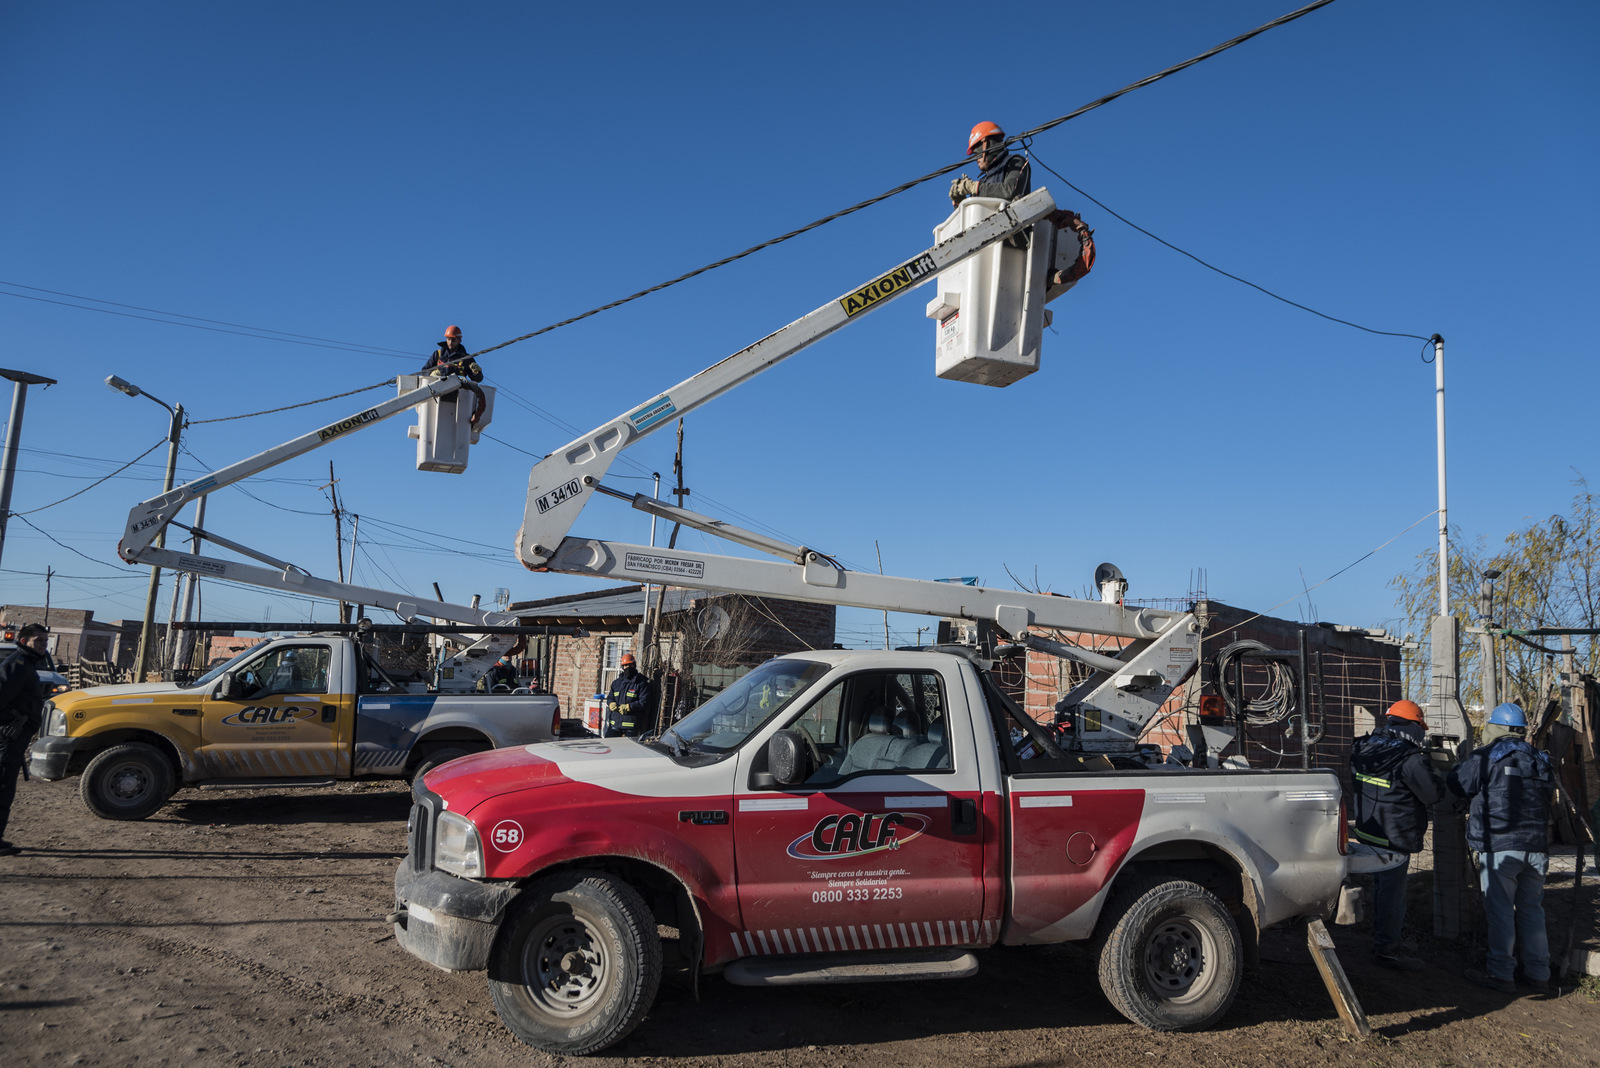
(456, 848)
(55, 720)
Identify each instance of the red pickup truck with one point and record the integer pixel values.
(848, 816)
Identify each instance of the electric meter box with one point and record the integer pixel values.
(990, 307)
(444, 429)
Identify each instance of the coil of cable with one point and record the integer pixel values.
(1275, 701)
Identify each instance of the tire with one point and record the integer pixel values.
(576, 964)
(434, 757)
(127, 782)
(1171, 956)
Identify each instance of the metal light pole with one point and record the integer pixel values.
(146, 634)
(8, 460)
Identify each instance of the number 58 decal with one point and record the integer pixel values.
(506, 836)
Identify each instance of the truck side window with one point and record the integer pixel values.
(298, 669)
(882, 721)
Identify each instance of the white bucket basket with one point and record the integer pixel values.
(990, 307)
(444, 430)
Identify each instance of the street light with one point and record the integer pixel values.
(146, 632)
(8, 457)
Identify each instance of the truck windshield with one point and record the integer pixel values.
(724, 722)
(212, 675)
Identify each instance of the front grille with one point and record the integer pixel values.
(423, 813)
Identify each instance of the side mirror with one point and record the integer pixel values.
(788, 758)
(227, 688)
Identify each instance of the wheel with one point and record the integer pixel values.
(127, 782)
(576, 966)
(434, 757)
(1171, 956)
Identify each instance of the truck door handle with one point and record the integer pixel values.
(330, 713)
(963, 816)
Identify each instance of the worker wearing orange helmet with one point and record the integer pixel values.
(630, 703)
(452, 358)
(1003, 174)
(1394, 786)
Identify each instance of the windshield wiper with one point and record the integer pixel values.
(679, 747)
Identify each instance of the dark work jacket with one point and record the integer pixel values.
(1008, 179)
(1393, 787)
(21, 698)
(454, 361)
(1511, 785)
(629, 704)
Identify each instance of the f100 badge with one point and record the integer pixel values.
(856, 834)
(270, 716)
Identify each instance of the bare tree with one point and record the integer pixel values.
(1549, 577)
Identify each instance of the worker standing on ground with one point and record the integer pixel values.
(1002, 174)
(1394, 786)
(452, 358)
(21, 702)
(629, 701)
(1511, 785)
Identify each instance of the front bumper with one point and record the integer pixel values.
(446, 920)
(48, 756)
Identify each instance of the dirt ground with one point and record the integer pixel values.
(245, 928)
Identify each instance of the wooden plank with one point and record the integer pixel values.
(1338, 984)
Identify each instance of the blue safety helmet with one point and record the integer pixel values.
(1508, 715)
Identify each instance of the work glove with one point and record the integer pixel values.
(961, 188)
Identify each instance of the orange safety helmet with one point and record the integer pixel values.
(452, 331)
(1408, 710)
(982, 132)
(627, 658)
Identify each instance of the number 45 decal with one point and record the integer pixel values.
(506, 836)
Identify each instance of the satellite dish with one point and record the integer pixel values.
(712, 622)
(1109, 580)
(1107, 573)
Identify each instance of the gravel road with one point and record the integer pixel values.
(244, 928)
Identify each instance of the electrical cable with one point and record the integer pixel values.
(365, 350)
(58, 541)
(256, 331)
(1274, 704)
(913, 183)
(1219, 270)
(92, 485)
(289, 407)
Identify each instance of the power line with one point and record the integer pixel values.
(901, 188)
(288, 407)
(52, 537)
(1219, 270)
(97, 482)
(260, 332)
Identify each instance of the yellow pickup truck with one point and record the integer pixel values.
(294, 711)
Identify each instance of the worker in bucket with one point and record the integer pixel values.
(452, 358)
(1002, 174)
(1394, 786)
(630, 701)
(1511, 785)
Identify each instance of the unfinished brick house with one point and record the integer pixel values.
(704, 640)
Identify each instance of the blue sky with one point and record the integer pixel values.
(372, 172)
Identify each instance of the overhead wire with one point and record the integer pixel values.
(289, 407)
(1219, 270)
(913, 183)
(97, 482)
(260, 332)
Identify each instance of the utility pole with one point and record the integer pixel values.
(184, 654)
(885, 611)
(8, 459)
(1447, 720)
(147, 633)
(338, 538)
(49, 573)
